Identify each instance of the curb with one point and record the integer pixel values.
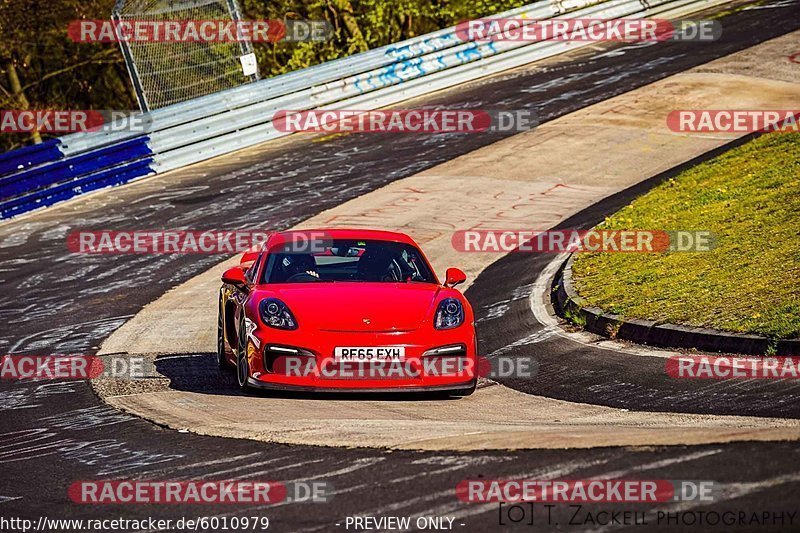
(570, 305)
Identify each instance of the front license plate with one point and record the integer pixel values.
(368, 354)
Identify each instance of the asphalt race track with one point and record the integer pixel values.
(56, 302)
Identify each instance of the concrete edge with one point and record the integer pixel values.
(571, 306)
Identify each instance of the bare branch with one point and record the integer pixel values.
(96, 59)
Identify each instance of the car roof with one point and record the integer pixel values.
(341, 233)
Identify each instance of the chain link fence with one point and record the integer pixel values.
(165, 73)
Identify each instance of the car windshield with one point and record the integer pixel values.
(350, 260)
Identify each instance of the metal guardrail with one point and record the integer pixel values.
(224, 122)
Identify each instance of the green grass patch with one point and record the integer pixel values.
(750, 198)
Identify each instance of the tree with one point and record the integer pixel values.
(41, 68)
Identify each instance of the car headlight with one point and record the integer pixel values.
(450, 314)
(275, 314)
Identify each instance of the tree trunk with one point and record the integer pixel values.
(345, 10)
(16, 91)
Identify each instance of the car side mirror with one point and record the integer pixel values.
(235, 277)
(454, 276)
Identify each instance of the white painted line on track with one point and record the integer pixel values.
(245, 467)
(147, 474)
(539, 297)
(655, 465)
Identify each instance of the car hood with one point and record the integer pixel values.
(360, 306)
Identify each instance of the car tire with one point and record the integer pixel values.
(242, 365)
(222, 360)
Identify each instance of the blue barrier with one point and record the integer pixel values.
(69, 169)
(29, 156)
(105, 178)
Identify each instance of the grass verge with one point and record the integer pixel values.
(750, 198)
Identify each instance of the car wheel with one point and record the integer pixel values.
(222, 360)
(242, 365)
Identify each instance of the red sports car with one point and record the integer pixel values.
(345, 310)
